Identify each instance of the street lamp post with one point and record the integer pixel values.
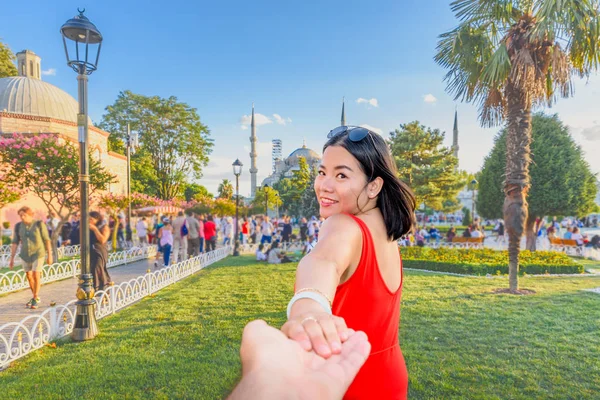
(81, 33)
(473, 184)
(277, 206)
(131, 145)
(266, 189)
(237, 171)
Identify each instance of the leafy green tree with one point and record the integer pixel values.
(170, 133)
(8, 194)
(193, 190)
(7, 62)
(223, 207)
(49, 167)
(292, 189)
(225, 190)
(258, 203)
(309, 205)
(426, 166)
(561, 180)
(508, 56)
(467, 219)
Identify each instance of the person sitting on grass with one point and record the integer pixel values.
(260, 255)
(276, 255)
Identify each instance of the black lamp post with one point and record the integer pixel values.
(237, 171)
(473, 184)
(85, 42)
(277, 205)
(131, 145)
(266, 188)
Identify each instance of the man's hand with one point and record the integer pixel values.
(11, 264)
(277, 367)
(49, 259)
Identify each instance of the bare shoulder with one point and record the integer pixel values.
(340, 226)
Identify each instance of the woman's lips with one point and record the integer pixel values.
(325, 202)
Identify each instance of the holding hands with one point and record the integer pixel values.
(275, 367)
(318, 331)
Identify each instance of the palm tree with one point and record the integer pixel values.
(508, 56)
(225, 189)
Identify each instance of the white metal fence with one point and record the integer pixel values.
(17, 339)
(13, 281)
(63, 251)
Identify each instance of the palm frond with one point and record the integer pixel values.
(464, 51)
(493, 108)
(475, 12)
(498, 67)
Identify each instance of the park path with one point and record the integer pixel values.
(12, 306)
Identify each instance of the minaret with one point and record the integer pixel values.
(253, 169)
(455, 135)
(343, 122)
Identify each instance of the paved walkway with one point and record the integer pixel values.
(12, 306)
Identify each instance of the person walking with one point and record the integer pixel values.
(99, 234)
(210, 234)
(201, 233)
(266, 230)
(165, 238)
(286, 232)
(36, 248)
(142, 231)
(180, 240)
(245, 230)
(193, 238)
(227, 231)
(353, 277)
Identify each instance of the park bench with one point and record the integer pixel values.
(466, 243)
(568, 246)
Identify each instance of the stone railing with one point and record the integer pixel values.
(13, 281)
(17, 339)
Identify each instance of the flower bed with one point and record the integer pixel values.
(487, 261)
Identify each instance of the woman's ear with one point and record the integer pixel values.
(374, 187)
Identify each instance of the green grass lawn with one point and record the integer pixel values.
(459, 340)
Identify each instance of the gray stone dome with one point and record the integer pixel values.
(309, 155)
(30, 96)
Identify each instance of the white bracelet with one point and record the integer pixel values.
(319, 298)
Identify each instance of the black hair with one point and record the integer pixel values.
(97, 216)
(395, 200)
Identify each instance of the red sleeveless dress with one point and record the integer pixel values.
(367, 305)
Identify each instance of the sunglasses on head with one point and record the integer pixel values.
(355, 133)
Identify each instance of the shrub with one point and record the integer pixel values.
(488, 261)
(6, 224)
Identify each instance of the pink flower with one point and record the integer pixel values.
(14, 160)
(39, 154)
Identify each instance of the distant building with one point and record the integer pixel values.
(31, 106)
(276, 152)
(285, 168)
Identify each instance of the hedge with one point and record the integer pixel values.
(487, 261)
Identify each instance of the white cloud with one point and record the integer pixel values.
(372, 128)
(280, 120)
(591, 133)
(372, 102)
(49, 71)
(259, 119)
(429, 98)
(244, 127)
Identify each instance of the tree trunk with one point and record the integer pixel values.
(531, 229)
(516, 183)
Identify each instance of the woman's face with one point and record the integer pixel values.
(341, 186)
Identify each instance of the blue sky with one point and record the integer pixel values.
(295, 60)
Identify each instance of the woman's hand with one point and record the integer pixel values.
(321, 332)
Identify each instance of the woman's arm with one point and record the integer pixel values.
(339, 247)
(102, 234)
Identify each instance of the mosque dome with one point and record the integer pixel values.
(30, 96)
(309, 155)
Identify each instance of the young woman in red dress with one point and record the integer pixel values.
(353, 277)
